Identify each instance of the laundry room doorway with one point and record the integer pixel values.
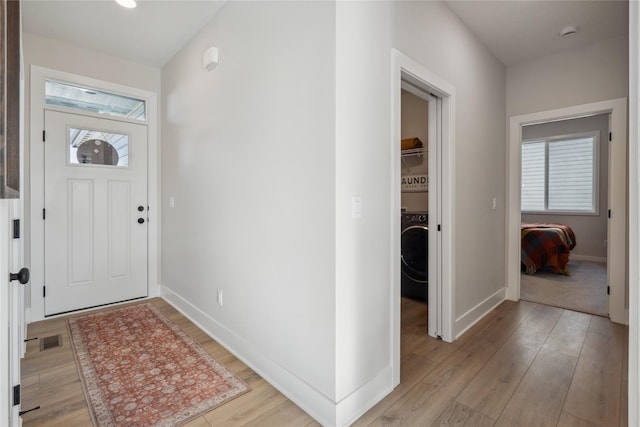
(419, 152)
(422, 172)
(414, 192)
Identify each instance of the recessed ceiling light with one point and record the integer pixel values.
(569, 31)
(129, 4)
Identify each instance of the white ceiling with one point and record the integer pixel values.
(151, 34)
(515, 31)
(519, 31)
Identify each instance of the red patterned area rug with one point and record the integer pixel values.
(140, 369)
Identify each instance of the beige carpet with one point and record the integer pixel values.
(585, 289)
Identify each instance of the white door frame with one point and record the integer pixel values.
(17, 346)
(38, 77)
(634, 211)
(441, 297)
(617, 224)
(11, 312)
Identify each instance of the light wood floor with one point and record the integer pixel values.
(524, 364)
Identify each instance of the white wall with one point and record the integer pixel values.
(362, 140)
(249, 158)
(263, 156)
(598, 72)
(363, 149)
(65, 57)
(590, 230)
(595, 73)
(432, 35)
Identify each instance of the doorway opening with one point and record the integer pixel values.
(564, 203)
(616, 248)
(416, 123)
(427, 167)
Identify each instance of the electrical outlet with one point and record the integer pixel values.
(220, 297)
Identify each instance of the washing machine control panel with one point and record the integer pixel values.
(413, 218)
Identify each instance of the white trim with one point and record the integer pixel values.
(5, 313)
(403, 67)
(634, 211)
(617, 108)
(349, 409)
(473, 316)
(38, 77)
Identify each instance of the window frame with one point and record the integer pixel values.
(596, 173)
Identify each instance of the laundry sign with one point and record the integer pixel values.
(418, 182)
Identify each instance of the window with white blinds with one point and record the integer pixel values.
(559, 175)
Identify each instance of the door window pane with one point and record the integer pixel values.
(91, 147)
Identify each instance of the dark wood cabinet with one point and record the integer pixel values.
(10, 99)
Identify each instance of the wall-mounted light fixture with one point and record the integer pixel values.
(210, 58)
(129, 4)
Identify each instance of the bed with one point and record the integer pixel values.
(546, 246)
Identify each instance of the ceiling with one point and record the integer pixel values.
(520, 31)
(152, 33)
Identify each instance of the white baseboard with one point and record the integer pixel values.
(471, 317)
(316, 404)
(351, 407)
(576, 257)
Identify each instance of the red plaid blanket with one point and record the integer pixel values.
(546, 245)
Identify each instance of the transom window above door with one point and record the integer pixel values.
(94, 101)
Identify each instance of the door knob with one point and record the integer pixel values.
(140, 220)
(21, 276)
(140, 208)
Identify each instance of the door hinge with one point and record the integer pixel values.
(439, 228)
(16, 395)
(44, 213)
(43, 136)
(44, 291)
(609, 136)
(609, 213)
(608, 290)
(16, 228)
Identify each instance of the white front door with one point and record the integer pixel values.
(95, 216)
